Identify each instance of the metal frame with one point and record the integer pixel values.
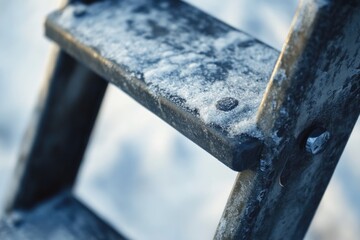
(308, 111)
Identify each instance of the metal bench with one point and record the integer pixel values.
(281, 119)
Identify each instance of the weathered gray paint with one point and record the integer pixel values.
(314, 85)
(61, 218)
(56, 140)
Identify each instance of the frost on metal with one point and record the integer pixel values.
(179, 54)
(236, 206)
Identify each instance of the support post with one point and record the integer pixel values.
(307, 114)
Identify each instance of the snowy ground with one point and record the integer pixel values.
(139, 173)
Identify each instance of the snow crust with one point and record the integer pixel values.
(192, 63)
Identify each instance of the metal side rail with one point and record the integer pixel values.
(203, 77)
(307, 115)
(60, 218)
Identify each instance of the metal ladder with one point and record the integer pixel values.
(281, 120)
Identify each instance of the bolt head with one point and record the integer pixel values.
(317, 141)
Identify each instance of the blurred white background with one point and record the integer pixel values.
(140, 174)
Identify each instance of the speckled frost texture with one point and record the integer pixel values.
(192, 62)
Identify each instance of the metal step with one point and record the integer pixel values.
(61, 218)
(203, 77)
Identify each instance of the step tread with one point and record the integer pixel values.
(200, 75)
(63, 217)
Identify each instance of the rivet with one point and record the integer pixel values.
(227, 104)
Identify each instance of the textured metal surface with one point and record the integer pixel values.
(201, 76)
(57, 137)
(62, 218)
(316, 84)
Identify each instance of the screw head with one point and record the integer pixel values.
(317, 141)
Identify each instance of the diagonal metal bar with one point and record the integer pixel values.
(307, 114)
